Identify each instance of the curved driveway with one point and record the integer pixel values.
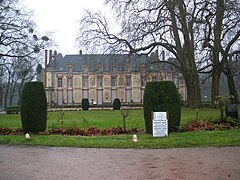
(27, 162)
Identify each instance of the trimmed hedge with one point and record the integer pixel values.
(33, 107)
(85, 104)
(13, 109)
(116, 104)
(162, 97)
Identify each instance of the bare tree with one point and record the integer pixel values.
(16, 72)
(183, 27)
(146, 25)
(231, 70)
(222, 24)
(17, 31)
(19, 45)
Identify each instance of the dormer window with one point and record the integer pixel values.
(114, 70)
(99, 68)
(128, 68)
(85, 68)
(70, 69)
(143, 69)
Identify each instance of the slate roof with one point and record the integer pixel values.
(106, 60)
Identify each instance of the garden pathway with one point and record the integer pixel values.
(27, 162)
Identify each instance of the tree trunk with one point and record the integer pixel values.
(186, 53)
(1, 95)
(217, 66)
(232, 89)
(215, 84)
(193, 90)
(231, 84)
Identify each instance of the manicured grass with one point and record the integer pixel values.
(10, 121)
(108, 119)
(204, 114)
(83, 119)
(174, 140)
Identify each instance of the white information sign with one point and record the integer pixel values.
(160, 124)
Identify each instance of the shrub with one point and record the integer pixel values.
(162, 97)
(116, 104)
(85, 104)
(13, 109)
(33, 107)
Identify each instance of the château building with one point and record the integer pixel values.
(103, 77)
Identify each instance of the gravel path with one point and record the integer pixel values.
(26, 162)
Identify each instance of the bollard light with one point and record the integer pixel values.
(27, 136)
(135, 138)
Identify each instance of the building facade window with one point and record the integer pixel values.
(154, 78)
(113, 82)
(128, 81)
(85, 81)
(60, 82)
(100, 82)
(70, 82)
(144, 81)
(175, 79)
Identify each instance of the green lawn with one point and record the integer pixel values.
(101, 119)
(107, 119)
(174, 140)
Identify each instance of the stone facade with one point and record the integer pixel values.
(103, 77)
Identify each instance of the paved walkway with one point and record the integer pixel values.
(26, 162)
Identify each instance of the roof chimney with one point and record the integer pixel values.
(46, 58)
(55, 58)
(50, 56)
(163, 55)
(80, 52)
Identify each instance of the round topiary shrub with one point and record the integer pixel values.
(85, 104)
(33, 107)
(162, 97)
(116, 104)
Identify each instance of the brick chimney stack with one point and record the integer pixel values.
(55, 58)
(46, 58)
(163, 55)
(50, 56)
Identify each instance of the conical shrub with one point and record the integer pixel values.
(116, 104)
(85, 104)
(33, 107)
(161, 97)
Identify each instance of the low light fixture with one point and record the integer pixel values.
(135, 138)
(27, 136)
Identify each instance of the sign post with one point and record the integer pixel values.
(160, 124)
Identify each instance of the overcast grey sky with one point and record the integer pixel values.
(62, 17)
